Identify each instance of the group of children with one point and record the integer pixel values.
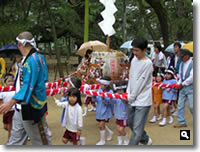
(72, 117)
(167, 96)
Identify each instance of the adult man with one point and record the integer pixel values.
(30, 97)
(185, 86)
(175, 59)
(139, 92)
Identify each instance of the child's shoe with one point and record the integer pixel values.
(153, 119)
(163, 122)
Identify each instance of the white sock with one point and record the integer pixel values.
(108, 130)
(126, 138)
(82, 140)
(85, 111)
(159, 117)
(109, 133)
(102, 138)
(171, 119)
(102, 135)
(119, 138)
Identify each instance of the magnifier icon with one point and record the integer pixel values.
(184, 134)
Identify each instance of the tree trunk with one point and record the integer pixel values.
(124, 21)
(162, 17)
(58, 57)
(146, 21)
(49, 49)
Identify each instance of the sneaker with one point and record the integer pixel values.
(148, 143)
(101, 142)
(179, 125)
(126, 142)
(153, 119)
(49, 132)
(163, 122)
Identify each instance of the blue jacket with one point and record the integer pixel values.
(120, 109)
(103, 106)
(172, 94)
(35, 74)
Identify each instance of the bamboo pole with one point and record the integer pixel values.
(108, 43)
(86, 21)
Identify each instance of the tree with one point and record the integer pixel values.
(54, 34)
(161, 12)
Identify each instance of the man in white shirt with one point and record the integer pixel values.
(185, 86)
(139, 93)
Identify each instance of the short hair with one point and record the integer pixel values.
(25, 35)
(158, 46)
(177, 44)
(140, 43)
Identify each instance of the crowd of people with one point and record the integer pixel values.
(25, 109)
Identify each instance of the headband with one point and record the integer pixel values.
(160, 74)
(104, 82)
(71, 83)
(169, 71)
(119, 87)
(6, 77)
(24, 41)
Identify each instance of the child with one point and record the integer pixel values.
(6, 97)
(157, 98)
(73, 82)
(169, 95)
(73, 120)
(120, 112)
(103, 109)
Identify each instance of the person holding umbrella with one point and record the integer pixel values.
(185, 86)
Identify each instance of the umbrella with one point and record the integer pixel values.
(96, 46)
(170, 48)
(189, 46)
(127, 45)
(9, 49)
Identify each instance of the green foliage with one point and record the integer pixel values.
(8, 32)
(141, 20)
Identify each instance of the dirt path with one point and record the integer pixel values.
(160, 135)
